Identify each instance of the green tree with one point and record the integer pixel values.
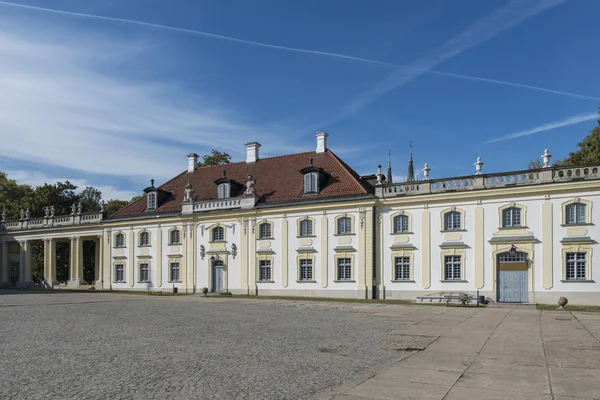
(535, 164)
(90, 198)
(112, 206)
(589, 150)
(215, 158)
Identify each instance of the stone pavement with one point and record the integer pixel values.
(490, 354)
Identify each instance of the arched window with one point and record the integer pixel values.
(452, 221)
(311, 182)
(344, 226)
(151, 201)
(306, 228)
(264, 230)
(511, 217)
(401, 223)
(218, 234)
(175, 236)
(144, 238)
(576, 213)
(119, 240)
(223, 191)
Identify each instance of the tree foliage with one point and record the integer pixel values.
(215, 158)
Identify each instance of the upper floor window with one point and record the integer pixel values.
(306, 228)
(218, 234)
(344, 226)
(264, 230)
(576, 266)
(511, 217)
(311, 182)
(151, 201)
(223, 191)
(452, 221)
(576, 213)
(119, 240)
(144, 238)
(175, 236)
(401, 224)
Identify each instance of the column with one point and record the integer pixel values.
(24, 264)
(369, 249)
(97, 273)
(192, 257)
(324, 251)
(131, 263)
(106, 260)
(75, 255)
(479, 247)
(252, 259)
(380, 254)
(547, 246)
(4, 261)
(49, 262)
(99, 264)
(426, 252)
(243, 254)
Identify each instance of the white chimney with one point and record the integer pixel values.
(322, 141)
(192, 162)
(252, 152)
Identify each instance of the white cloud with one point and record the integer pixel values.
(60, 107)
(575, 119)
(39, 179)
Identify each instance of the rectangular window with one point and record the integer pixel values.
(218, 234)
(452, 267)
(452, 221)
(119, 273)
(265, 231)
(265, 270)
(144, 239)
(306, 270)
(174, 272)
(344, 226)
(511, 217)
(401, 224)
(151, 201)
(311, 183)
(144, 272)
(306, 228)
(223, 191)
(576, 266)
(344, 267)
(402, 271)
(576, 213)
(175, 237)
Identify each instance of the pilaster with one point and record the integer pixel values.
(324, 251)
(75, 255)
(479, 247)
(284, 252)
(131, 264)
(369, 248)
(243, 255)
(193, 258)
(106, 261)
(252, 259)
(159, 256)
(380, 252)
(4, 260)
(100, 283)
(361, 274)
(547, 246)
(426, 253)
(49, 262)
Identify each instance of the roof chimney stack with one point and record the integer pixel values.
(252, 152)
(192, 162)
(322, 142)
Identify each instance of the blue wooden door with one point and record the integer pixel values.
(217, 275)
(512, 286)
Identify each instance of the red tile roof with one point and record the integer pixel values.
(278, 180)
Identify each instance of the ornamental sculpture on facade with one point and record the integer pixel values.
(188, 193)
(250, 186)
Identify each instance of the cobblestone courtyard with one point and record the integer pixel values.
(119, 346)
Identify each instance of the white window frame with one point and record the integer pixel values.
(146, 270)
(151, 201)
(173, 269)
(344, 269)
(344, 226)
(575, 217)
(173, 232)
(223, 191)
(403, 225)
(217, 237)
(306, 268)
(119, 239)
(455, 264)
(453, 221)
(311, 183)
(575, 263)
(122, 272)
(402, 268)
(145, 234)
(306, 228)
(265, 271)
(511, 217)
(265, 231)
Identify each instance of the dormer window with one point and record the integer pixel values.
(151, 201)
(224, 190)
(311, 183)
(313, 178)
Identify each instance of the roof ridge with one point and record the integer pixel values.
(261, 158)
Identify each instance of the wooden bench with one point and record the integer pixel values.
(157, 292)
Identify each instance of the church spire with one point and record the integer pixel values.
(411, 172)
(389, 171)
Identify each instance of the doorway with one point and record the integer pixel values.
(217, 276)
(512, 279)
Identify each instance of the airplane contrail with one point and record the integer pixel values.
(295, 49)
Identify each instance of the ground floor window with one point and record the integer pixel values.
(306, 270)
(344, 269)
(576, 266)
(265, 270)
(452, 268)
(402, 268)
(144, 272)
(174, 272)
(120, 273)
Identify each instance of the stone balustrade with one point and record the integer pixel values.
(222, 204)
(47, 222)
(489, 181)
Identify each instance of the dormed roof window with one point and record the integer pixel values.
(155, 196)
(314, 178)
(226, 187)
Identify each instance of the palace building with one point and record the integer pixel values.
(306, 224)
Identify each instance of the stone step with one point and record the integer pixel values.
(512, 305)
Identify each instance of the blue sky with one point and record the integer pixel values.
(122, 95)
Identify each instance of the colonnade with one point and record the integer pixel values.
(16, 261)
